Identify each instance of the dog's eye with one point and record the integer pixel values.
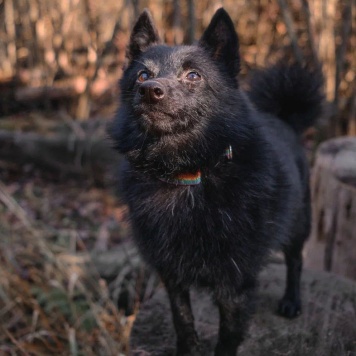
(143, 76)
(193, 76)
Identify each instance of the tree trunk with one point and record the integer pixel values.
(332, 246)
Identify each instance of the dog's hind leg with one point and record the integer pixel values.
(235, 313)
(290, 304)
(183, 319)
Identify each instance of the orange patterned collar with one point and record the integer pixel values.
(184, 179)
(192, 178)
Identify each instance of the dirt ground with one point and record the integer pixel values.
(326, 327)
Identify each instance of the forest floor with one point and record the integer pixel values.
(52, 299)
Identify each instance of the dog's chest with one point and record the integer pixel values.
(181, 232)
(171, 210)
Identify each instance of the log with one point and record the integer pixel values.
(325, 327)
(128, 278)
(64, 88)
(332, 245)
(84, 153)
(70, 87)
(111, 263)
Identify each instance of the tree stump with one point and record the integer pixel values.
(326, 326)
(332, 246)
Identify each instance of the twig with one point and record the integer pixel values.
(136, 8)
(13, 206)
(352, 115)
(290, 29)
(310, 29)
(177, 23)
(16, 343)
(341, 50)
(192, 21)
(11, 31)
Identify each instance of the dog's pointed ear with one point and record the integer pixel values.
(143, 35)
(220, 39)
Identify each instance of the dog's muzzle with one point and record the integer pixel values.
(151, 91)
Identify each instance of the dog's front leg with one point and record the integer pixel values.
(187, 339)
(235, 312)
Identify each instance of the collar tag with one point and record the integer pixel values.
(228, 153)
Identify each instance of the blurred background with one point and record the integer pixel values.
(70, 280)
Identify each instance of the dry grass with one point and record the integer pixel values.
(50, 304)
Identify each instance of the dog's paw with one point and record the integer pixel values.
(222, 351)
(289, 308)
(193, 351)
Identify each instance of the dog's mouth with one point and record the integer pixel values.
(157, 123)
(160, 123)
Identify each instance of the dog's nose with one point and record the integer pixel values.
(151, 91)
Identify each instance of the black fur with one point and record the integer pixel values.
(287, 92)
(181, 107)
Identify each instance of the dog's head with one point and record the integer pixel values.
(172, 96)
(171, 88)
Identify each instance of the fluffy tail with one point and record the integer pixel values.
(291, 92)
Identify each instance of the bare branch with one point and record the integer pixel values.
(311, 34)
(290, 29)
(341, 49)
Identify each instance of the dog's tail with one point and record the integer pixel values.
(291, 92)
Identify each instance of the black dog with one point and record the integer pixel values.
(214, 178)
